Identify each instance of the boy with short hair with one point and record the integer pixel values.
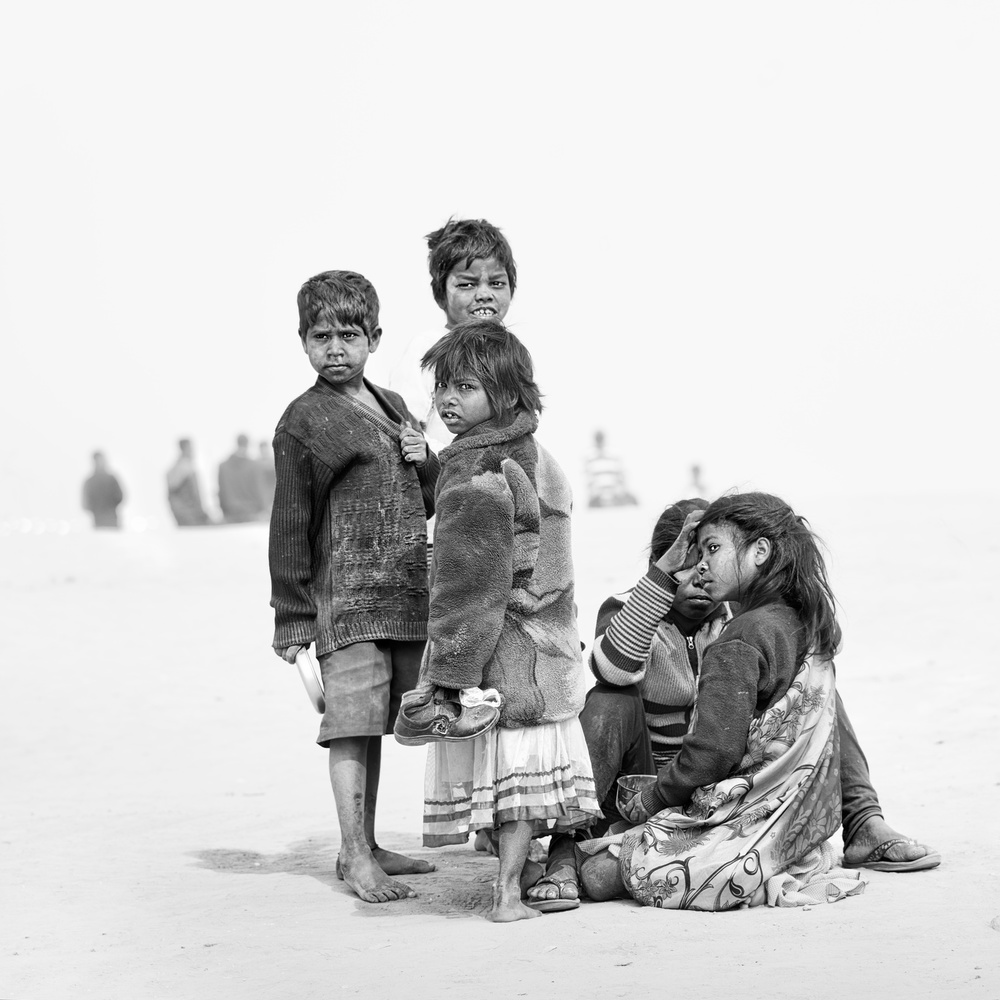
(354, 488)
(473, 276)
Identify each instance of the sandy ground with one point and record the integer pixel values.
(168, 830)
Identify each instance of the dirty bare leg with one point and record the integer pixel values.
(514, 841)
(349, 779)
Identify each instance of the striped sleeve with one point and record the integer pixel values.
(625, 630)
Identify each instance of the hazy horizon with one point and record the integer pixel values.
(757, 238)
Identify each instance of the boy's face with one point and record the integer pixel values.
(479, 291)
(692, 600)
(339, 351)
(461, 403)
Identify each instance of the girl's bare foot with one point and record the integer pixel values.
(368, 880)
(507, 905)
(395, 864)
(530, 874)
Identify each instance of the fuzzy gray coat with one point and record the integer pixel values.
(502, 612)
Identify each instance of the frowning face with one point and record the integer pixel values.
(339, 351)
(462, 403)
(480, 290)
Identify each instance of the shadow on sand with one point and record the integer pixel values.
(460, 887)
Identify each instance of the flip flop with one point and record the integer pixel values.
(558, 904)
(311, 678)
(552, 905)
(875, 859)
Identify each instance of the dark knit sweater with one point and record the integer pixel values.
(745, 671)
(502, 612)
(348, 545)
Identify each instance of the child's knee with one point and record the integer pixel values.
(600, 877)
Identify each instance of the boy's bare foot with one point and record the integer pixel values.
(395, 864)
(878, 846)
(507, 907)
(369, 882)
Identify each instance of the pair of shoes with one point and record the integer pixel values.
(876, 858)
(560, 903)
(428, 717)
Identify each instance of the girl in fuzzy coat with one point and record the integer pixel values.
(502, 618)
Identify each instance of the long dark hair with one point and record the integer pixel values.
(794, 572)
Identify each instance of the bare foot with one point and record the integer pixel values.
(395, 864)
(508, 907)
(368, 880)
(876, 831)
(530, 874)
(483, 842)
(559, 883)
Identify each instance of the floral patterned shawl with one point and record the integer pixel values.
(760, 835)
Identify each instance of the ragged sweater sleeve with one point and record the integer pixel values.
(473, 568)
(727, 697)
(625, 631)
(289, 545)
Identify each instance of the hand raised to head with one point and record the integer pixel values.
(683, 552)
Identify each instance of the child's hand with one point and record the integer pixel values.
(412, 444)
(682, 554)
(289, 653)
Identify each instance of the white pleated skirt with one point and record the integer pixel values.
(541, 774)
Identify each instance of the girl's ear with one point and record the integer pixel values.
(761, 551)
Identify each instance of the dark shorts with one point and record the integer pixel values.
(363, 684)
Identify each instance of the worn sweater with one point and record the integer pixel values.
(501, 608)
(745, 671)
(348, 545)
(636, 644)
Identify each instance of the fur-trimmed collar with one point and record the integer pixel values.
(491, 432)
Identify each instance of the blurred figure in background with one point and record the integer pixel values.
(183, 492)
(102, 494)
(240, 492)
(265, 466)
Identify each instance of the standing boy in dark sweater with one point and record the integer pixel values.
(354, 488)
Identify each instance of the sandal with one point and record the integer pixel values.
(877, 862)
(560, 902)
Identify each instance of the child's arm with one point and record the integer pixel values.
(290, 544)
(619, 656)
(414, 449)
(624, 634)
(727, 698)
(474, 556)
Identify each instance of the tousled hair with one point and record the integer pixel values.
(487, 351)
(668, 525)
(466, 240)
(794, 571)
(342, 296)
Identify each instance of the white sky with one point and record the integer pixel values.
(758, 236)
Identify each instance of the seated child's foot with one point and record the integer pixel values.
(879, 847)
(369, 882)
(507, 906)
(395, 864)
(562, 882)
(426, 715)
(484, 843)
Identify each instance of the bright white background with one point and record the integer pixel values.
(762, 237)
